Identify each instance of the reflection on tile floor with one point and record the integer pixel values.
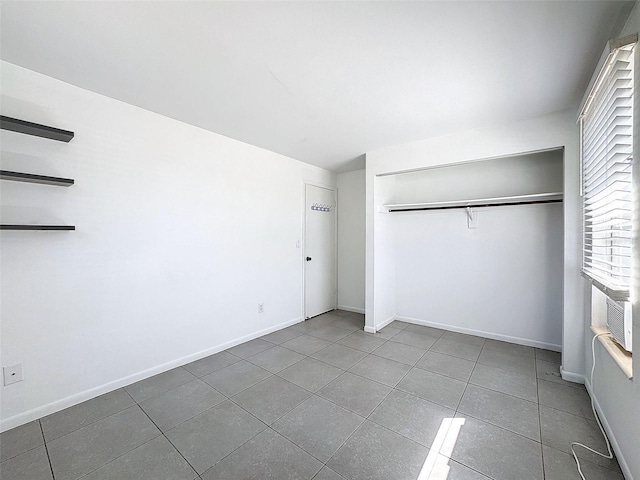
(323, 400)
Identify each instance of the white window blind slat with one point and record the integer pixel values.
(613, 138)
(607, 147)
(615, 103)
(617, 192)
(614, 190)
(604, 153)
(615, 160)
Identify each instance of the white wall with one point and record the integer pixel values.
(502, 279)
(617, 398)
(180, 234)
(380, 281)
(542, 133)
(501, 177)
(351, 240)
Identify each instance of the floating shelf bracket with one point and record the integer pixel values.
(35, 129)
(32, 178)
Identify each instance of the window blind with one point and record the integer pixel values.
(607, 148)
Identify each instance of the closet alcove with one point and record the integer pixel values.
(478, 247)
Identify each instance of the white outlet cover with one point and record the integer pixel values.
(12, 374)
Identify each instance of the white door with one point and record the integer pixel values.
(320, 250)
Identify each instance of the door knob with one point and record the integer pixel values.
(308, 259)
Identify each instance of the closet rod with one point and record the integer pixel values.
(479, 202)
(475, 205)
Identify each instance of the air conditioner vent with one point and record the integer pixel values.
(619, 322)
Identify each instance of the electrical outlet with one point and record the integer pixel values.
(12, 374)
(261, 308)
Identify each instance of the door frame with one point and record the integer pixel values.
(303, 244)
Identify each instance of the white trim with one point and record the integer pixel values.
(609, 49)
(481, 333)
(572, 377)
(326, 186)
(347, 308)
(53, 407)
(626, 471)
(369, 329)
(465, 162)
(384, 323)
(303, 246)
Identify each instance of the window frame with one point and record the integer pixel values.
(599, 90)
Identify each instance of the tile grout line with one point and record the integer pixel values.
(164, 435)
(501, 392)
(298, 446)
(458, 406)
(392, 389)
(125, 453)
(456, 412)
(270, 426)
(84, 475)
(367, 418)
(46, 449)
(166, 438)
(90, 423)
(204, 411)
(21, 453)
(489, 423)
(244, 443)
(477, 362)
(312, 393)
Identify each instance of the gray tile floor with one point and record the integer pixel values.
(324, 400)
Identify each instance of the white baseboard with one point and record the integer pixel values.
(572, 377)
(384, 323)
(626, 471)
(380, 326)
(351, 309)
(76, 398)
(481, 333)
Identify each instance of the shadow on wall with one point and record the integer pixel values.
(357, 163)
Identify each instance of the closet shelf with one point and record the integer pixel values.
(35, 129)
(37, 227)
(478, 202)
(32, 178)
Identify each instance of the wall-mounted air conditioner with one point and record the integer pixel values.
(619, 322)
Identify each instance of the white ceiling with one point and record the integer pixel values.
(322, 82)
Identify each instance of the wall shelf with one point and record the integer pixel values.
(479, 202)
(37, 227)
(35, 129)
(32, 178)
